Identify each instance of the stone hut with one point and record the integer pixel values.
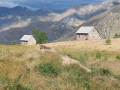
(27, 40)
(87, 33)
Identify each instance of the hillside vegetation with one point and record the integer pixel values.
(29, 68)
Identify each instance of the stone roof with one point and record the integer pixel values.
(86, 29)
(26, 37)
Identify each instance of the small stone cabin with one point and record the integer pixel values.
(27, 40)
(87, 33)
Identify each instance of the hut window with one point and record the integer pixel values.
(79, 36)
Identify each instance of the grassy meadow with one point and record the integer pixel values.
(29, 68)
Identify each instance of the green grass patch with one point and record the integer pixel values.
(49, 69)
(1, 60)
(105, 57)
(31, 59)
(50, 65)
(16, 87)
(108, 41)
(78, 76)
(118, 57)
(104, 71)
(20, 54)
(98, 55)
(4, 79)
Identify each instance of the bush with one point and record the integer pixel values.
(98, 55)
(77, 76)
(104, 71)
(69, 55)
(4, 79)
(20, 54)
(1, 60)
(21, 87)
(105, 58)
(14, 42)
(31, 59)
(108, 41)
(117, 36)
(118, 57)
(16, 87)
(49, 69)
(50, 64)
(84, 56)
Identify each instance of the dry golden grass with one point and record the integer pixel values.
(76, 48)
(90, 45)
(28, 67)
(20, 61)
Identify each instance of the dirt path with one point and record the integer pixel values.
(67, 61)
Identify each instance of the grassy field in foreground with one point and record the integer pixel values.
(92, 52)
(29, 68)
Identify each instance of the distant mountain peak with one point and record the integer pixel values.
(21, 8)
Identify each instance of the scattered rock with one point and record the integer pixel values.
(44, 47)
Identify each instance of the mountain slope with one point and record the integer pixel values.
(14, 24)
(80, 13)
(9, 16)
(107, 24)
(53, 30)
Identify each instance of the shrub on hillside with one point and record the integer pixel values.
(104, 71)
(4, 79)
(84, 56)
(49, 69)
(118, 57)
(1, 60)
(49, 66)
(19, 54)
(108, 41)
(117, 36)
(16, 87)
(31, 58)
(77, 75)
(98, 55)
(105, 58)
(14, 42)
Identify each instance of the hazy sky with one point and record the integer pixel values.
(58, 4)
